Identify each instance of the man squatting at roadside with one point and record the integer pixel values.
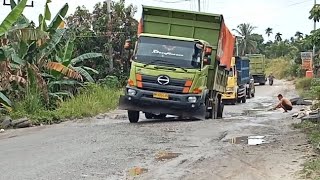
(284, 103)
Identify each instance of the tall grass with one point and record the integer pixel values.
(311, 168)
(93, 100)
(303, 83)
(281, 68)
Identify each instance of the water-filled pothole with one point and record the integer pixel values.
(250, 140)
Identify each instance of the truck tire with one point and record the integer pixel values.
(220, 111)
(244, 99)
(148, 115)
(133, 116)
(262, 83)
(249, 93)
(239, 100)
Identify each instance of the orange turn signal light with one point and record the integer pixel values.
(139, 84)
(188, 83)
(197, 91)
(138, 77)
(130, 82)
(186, 90)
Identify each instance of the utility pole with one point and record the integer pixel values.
(109, 27)
(314, 28)
(199, 5)
(314, 46)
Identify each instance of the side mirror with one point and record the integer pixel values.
(127, 45)
(208, 51)
(206, 61)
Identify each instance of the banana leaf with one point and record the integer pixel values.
(58, 18)
(83, 57)
(12, 17)
(5, 99)
(68, 52)
(84, 73)
(22, 19)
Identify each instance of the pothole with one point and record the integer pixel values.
(136, 171)
(164, 155)
(249, 140)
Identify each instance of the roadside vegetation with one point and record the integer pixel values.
(65, 67)
(311, 168)
(46, 67)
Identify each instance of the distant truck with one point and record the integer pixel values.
(239, 86)
(179, 66)
(258, 68)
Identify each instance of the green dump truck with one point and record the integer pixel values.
(179, 65)
(258, 68)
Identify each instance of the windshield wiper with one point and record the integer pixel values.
(151, 62)
(165, 63)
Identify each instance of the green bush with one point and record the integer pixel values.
(110, 81)
(303, 83)
(92, 100)
(311, 168)
(281, 68)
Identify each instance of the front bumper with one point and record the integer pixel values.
(177, 104)
(229, 96)
(259, 78)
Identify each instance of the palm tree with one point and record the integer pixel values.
(299, 35)
(247, 44)
(269, 31)
(315, 13)
(278, 37)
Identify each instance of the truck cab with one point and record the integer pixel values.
(240, 86)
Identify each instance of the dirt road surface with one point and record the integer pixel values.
(108, 147)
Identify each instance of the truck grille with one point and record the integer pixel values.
(151, 83)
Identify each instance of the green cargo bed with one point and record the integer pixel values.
(183, 24)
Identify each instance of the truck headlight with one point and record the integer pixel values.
(132, 92)
(192, 99)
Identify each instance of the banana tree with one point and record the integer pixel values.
(7, 23)
(69, 66)
(66, 73)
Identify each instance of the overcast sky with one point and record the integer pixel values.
(284, 16)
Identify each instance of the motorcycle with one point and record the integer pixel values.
(271, 81)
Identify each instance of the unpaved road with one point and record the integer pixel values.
(106, 147)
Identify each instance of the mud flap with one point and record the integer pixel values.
(126, 104)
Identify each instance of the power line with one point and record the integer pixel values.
(297, 3)
(177, 1)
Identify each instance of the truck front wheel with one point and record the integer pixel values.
(244, 99)
(133, 116)
(220, 110)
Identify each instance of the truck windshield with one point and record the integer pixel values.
(158, 51)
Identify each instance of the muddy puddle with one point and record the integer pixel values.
(164, 155)
(249, 140)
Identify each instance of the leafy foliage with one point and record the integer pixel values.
(12, 17)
